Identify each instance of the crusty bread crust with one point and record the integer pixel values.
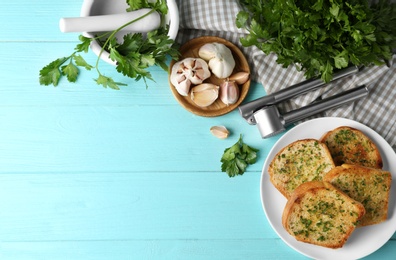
(299, 162)
(318, 213)
(369, 186)
(352, 146)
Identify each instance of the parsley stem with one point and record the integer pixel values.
(114, 33)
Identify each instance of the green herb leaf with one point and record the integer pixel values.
(135, 4)
(133, 57)
(70, 71)
(321, 36)
(108, 82)
(242, 19)
(51, 73)
(80, 61)
(341, 60)
(137, 53)
(161, 6)
(237, 158)
(84, 45)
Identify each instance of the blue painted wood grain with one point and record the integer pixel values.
(93, 173)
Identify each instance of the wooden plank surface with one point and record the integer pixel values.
(93, 173)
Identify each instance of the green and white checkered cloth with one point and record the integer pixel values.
(377, 111)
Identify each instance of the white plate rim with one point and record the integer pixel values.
(364, 240)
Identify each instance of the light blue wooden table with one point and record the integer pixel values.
(93, 173)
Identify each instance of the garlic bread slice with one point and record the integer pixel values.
(318, 213)
(352, 146)
(369, 186)
(299, 162)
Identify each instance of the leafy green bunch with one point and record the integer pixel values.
(236, 158)
(133, 56)
(320, 36)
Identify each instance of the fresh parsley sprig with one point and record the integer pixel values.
(52, 72)
(236, 158)
(133, 56)
(321, 36)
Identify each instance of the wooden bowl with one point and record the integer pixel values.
(218, 108)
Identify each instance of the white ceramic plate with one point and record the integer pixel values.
(364, 240)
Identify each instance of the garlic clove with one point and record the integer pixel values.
(220, 59)
(220, 131)
(199, 71)
(208, 51)
(221, 67)
(229, 92)
(204, 95)
(181, 84)
(200, 76)
(188, 71)
(240, 77)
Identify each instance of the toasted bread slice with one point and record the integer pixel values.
(299, 162)
(352, 146)
(369, 186)
(318, 213)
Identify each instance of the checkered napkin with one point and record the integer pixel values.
(377, 111)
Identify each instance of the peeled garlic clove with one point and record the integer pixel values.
(220, 131)
(229, 92)
(240, 77)
(205, 94)
(219, 56)
(188, 71)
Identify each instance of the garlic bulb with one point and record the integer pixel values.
(188, 71)
(205, 94)
(219, 56)
(229, 92)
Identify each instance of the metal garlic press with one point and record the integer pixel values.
(264, 113)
